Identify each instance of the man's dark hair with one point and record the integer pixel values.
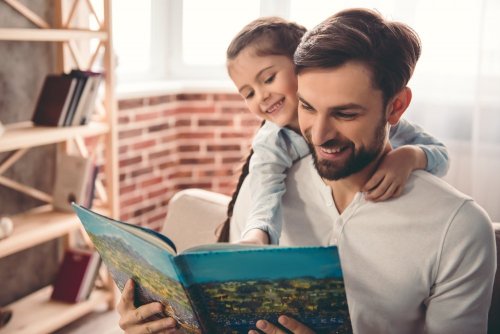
(390, 49)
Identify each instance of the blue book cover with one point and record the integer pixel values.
(223, 288)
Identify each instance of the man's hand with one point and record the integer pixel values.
(291, 324)
(132, 319)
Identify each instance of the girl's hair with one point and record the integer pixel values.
(269, 36)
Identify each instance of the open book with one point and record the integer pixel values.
(223, 288)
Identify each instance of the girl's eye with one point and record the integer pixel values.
(270, 79)
(249, 95)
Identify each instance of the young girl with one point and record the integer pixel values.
(260, 63)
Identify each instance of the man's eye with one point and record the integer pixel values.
(270, 79)
(345, 115)
(305, 106)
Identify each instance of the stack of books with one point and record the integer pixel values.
(67, 99)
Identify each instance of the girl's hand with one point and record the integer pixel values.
(291, 324)
(391, 175)
(132, 319)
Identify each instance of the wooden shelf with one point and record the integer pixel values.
(49, 35)
(25, 134)
(37, 314)
(36, 227)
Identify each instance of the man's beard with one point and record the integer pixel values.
(356, 161)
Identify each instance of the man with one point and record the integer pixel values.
(423, 262)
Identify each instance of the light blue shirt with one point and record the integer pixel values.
(275, 150)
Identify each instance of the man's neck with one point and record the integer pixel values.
(344, 190)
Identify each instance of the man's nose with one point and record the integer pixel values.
(322, 130)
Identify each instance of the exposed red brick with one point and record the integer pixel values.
(131, 201)
(147, 116)
(215, 122)
(160, 99)
(188, 148)
(129, 133)
(130, 104)
(130, 161)
(223, 147)
(142, 171)
(159, 127)
(144, 144)
(194, 110)
(127, 189)
(195, 135)
(191, 97)
(159, 154)
(152, 181)
(228, 97)
(183, 122)
(144, 210)
(196, 161)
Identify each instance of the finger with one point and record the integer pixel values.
(133, 317)
(167, 325)
(268, 328)
(127, 298)
(294, 326)
(398, 192)
(389, 193)
(381, 188)
(373, 182)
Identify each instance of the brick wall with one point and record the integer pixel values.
(172, 142)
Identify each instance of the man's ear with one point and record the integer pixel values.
(398, 104)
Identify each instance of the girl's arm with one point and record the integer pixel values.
(275, 150)
(413, 149)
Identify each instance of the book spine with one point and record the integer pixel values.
(184, 273)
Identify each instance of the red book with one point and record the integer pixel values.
(76, 276)
(54, 100)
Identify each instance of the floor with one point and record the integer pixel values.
(102, 322)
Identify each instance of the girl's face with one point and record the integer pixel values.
(268, 84)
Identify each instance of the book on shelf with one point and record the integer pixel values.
(67, 99)
(88, 98)
(84, 97)
(54, 100)
(74, 182)
(76, 276)
(223, 288)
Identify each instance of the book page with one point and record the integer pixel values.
(233, 288)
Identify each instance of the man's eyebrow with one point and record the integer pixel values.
(347, 106)
(301, 99)
(256, 76)
(342, 107)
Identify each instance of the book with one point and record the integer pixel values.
(88, 105)
(75, 278)
(54, 100)
(81, 80)
(73, 181)
(87, 96)
(223, 288)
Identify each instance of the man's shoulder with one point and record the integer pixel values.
(439, 194)
(435, 186)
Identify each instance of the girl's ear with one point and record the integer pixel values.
(398, 105)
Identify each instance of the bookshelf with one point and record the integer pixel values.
(36, 313)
